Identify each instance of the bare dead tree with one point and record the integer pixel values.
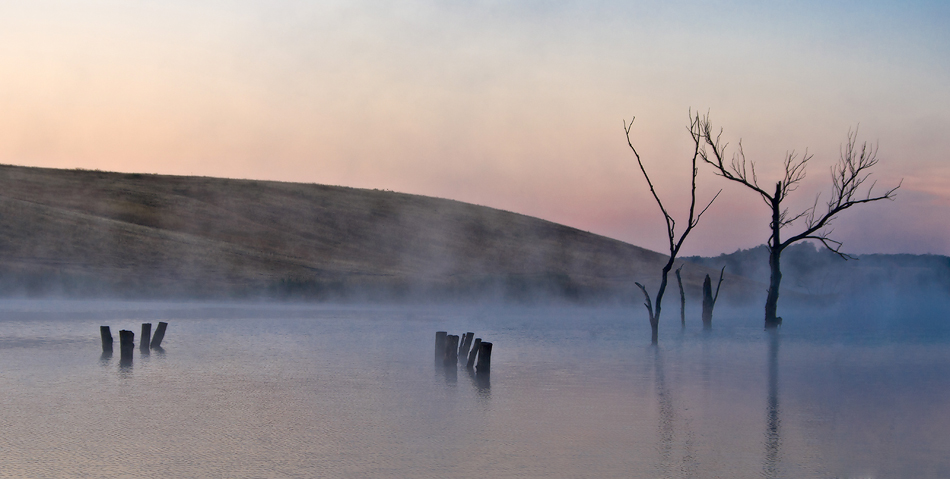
(695, 131)
(848, 177)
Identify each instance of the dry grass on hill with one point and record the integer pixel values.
(78, 232)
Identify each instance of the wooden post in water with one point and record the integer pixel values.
(474, 353)
(466, 344)
(451, 350)
(106, 334)
(484, 358)
(440, 345)
(126, 343)
(159, 335)
(146, 337)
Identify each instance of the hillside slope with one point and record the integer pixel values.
(91, 233)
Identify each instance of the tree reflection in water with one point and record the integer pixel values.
(667, 415)
(772, 420)
(666, 428)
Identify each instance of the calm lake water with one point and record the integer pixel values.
(250, 390)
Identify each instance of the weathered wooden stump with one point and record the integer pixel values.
(466, 345)
(451, 350)
(707, 303)
(709, 300)
(159, 335)
(126, 343)
(484, 358)
(106, 334)
(474, 353)
(440, 345)
(144, 344)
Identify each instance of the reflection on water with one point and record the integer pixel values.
(347, 392)
(772, 422)
(481, 381)
(125, 364)
(666, 413)
(451, 373)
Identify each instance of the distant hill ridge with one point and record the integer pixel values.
(90, 233)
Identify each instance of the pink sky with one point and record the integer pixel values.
(514, 105)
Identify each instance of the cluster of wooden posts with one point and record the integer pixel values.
(127, 339)
(449, 351)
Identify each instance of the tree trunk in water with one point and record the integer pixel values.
(775, 252)
(679, 281)
(648, 304)
(772, 320)
(655, 318)
(707, 303)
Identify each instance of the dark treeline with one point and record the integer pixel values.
(820, 272)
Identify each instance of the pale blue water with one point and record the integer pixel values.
(247, 390)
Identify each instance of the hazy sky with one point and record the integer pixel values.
(517, 105)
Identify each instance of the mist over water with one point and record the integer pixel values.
(285, 390)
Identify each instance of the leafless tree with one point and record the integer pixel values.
(695, 131)
(848, 177)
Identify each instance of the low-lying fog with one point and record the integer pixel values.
(857, 389)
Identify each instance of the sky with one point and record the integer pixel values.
(517, 105)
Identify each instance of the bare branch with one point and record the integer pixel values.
(738, 169)
(670, 223)
(794, 171)
(716, 297)
(847, 176)
(648, 304)
(787, 221)
(706, 208)
(832, 245)
(696, 133)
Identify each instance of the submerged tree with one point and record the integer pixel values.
(679, 281)
(847, 179)
(653, 308)
(709, 300)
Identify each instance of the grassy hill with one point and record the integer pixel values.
(99, 234)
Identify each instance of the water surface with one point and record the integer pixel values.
(251, 390)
